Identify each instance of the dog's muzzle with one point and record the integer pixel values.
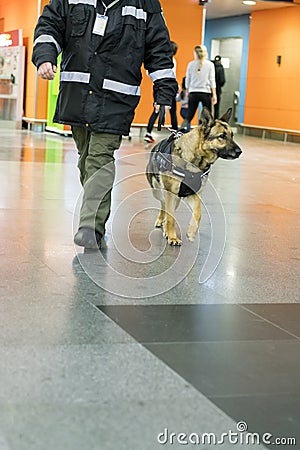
(231, 153)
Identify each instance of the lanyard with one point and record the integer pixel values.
(109, 6)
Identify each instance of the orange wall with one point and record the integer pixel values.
(272, 92)
(184, 20)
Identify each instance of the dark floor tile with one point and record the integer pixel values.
(278, 415)
(192, 323)
(235, 368)
(286, 316)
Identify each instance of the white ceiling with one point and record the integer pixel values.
(226, 8)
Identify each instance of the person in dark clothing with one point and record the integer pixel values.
(220, 81)
(183, 97)
(173, 112)
(103, 45)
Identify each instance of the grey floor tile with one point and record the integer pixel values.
(247, 380)
(74, 373)
(235, 368)
(56, 322)
(275, 414)
(192, 323)
(118, 424)
(185, 291)
(97, 397)
(286, 316)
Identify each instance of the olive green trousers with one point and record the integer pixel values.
(97, 172)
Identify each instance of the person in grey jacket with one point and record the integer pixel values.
(103, 44)
(200, 82)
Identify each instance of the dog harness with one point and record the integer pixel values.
(162, 161)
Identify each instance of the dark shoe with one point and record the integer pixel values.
(88, 238)
(149, 138)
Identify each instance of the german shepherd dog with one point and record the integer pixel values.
(179, 166)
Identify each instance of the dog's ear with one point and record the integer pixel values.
(206, 118)
(226, 116)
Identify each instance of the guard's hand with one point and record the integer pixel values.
(47, 71)
(162, 111)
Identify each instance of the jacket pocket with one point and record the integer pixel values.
(134, 31)
(79, 15)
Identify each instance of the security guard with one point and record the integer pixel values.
(103, 44)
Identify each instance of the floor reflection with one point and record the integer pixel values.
(40, 200)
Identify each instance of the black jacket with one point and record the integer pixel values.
(101, 75)
(220, 77)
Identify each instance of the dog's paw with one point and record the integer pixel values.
(174, 241)
(191, 233)
(158, 223)
(190, 237)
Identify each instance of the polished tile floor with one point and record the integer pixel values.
(118, 350)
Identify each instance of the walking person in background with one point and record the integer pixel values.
(200, 82)
(173, 112)
(220, 81)
(103, 45)
(183, 97)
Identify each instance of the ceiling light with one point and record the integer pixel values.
(249, 2)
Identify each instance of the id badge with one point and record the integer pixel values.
(100, 25)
